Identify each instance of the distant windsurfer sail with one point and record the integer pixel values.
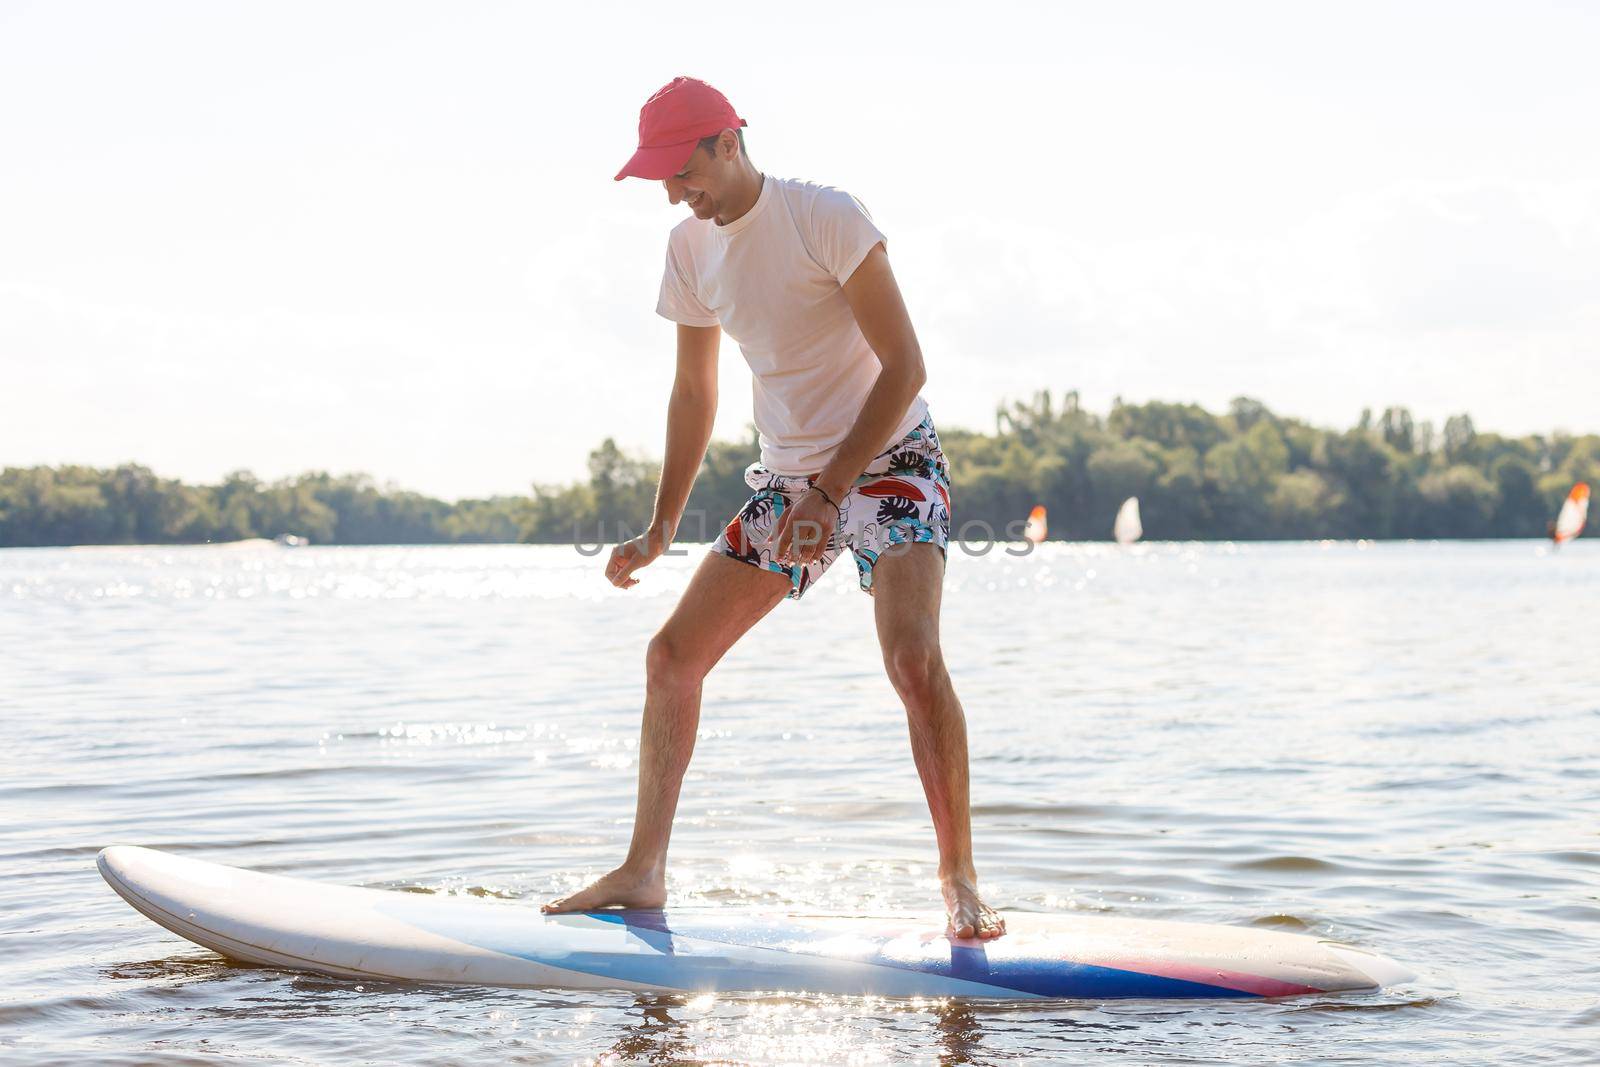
(1574, 513)
(1037, 527)
(1127, 528)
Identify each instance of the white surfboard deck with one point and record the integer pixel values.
(294, 924)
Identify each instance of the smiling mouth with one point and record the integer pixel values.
(695, 202)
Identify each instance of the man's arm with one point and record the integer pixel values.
(874, 298)
(690, 415)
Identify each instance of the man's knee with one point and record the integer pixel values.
(916, 669)
(667, 663)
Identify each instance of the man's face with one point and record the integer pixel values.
(700, 182)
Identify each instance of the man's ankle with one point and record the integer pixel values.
(644, 869)
(961, 875)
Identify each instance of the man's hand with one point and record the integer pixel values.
(632, 555)
(804, 530)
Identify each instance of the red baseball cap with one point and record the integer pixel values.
(672, 122)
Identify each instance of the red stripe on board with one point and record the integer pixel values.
(1194, 972)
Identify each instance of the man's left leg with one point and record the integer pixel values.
(907, 581)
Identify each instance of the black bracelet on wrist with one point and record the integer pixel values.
(829, 499)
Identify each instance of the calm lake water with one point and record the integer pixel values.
(1393, 744)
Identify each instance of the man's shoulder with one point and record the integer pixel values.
(686, 243)
(814, 195)
(822, 210)
(687, 232)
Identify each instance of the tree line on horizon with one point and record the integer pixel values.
(1245, 474)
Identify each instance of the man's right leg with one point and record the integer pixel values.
(724, 599)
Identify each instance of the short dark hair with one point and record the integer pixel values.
(710, 143)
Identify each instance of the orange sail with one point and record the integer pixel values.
(1574, 513)
(1037, 527)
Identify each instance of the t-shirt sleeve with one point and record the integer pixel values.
(678, 300)
(842, 233)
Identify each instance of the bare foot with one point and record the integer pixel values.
(623, 888)
(969, 916)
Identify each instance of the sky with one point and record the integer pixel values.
(384, 237)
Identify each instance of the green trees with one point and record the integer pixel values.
(1252, 474)
(1373, 479)
(1519, 510)
(1457, 502)
(81, 505)
(41, 506)
(1245, 474)
(1301, 503)
(1241, 473)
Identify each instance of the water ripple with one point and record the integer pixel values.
(1347, 741)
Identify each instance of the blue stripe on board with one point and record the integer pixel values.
(699, 967)
(685, 955)
(1064, 978)
(1040, 976)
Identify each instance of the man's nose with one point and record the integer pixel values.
(674, 191)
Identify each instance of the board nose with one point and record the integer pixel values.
(1383, 971)
(118, 860)
(110, 859)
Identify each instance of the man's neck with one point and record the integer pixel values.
(739, 202)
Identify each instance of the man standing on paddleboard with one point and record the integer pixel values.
(798, 274)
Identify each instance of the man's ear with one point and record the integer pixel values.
(728, 145)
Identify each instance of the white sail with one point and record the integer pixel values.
(1574, 513)
(1128, 528)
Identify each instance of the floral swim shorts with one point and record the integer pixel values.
(902, 499)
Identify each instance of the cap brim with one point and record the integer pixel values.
(659, 163)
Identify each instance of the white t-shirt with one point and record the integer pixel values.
(771, 279)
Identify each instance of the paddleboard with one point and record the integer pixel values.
(343, 931)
